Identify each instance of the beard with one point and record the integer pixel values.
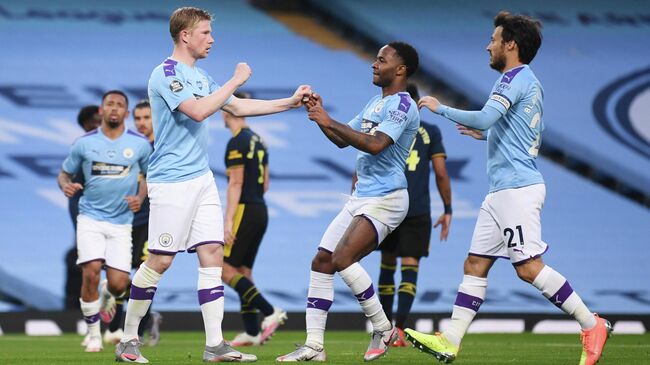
(113, 124)
(381, 82)
(498, 63)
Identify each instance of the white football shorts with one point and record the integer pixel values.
(509, 225)
(184, 215)
(385, 213)
(108, 242)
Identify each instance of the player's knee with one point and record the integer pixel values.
(475, 266)
(341, 261)
(118, 287)
(322, 262)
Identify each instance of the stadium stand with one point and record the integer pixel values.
(64, 54)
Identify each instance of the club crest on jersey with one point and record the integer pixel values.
(379, 106)
(128, 153)
(165, 240)
(175, 86)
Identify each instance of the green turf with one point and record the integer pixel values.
(342, 348)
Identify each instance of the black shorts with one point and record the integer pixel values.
(410, 239)
(139, 238)
(248, 237)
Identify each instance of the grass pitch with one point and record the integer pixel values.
(341, 347)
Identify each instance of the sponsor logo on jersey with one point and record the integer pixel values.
(368, 126)
(501, 99)
(165, 240)
(396, 116)
(128, 153)
(168, 67)
(175, 86)
(105, 169)
(510, 75)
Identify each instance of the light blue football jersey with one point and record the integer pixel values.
(110, 169)
(397, 116)
(514, 140)
(180, 143)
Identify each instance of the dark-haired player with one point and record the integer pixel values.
(508, 223)
(383, 133)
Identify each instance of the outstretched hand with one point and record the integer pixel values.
(429, 102)
(301, 96)
(467, 131)
(315, 110)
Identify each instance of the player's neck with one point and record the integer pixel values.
(393, 88)
(183, 56)
(112, 133)
(510, 64)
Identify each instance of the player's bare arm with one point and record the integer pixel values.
(66, 185)
(252, 107)
(444, 189)
(267, 181)
(201, 109)
(235, 186)
(370, 143)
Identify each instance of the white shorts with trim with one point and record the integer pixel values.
(108, 242)
(184, 215)
(509, 225)
(385, 213)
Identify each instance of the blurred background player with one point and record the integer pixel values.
(185, 210)
(410, 241)
(382, 133)
(246, 219)
(88, 119)
(139, 237)
(110, 158)
(509, 222)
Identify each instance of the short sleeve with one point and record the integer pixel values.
(355, 123)
(170, 88)
(72, 163)
(143, 161)
(436, 148)
(507, 91)
(395, 116)
(235, 152)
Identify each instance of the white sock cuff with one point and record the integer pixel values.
(541, 278)
(475, 281)
(146, 277)
(549, 281)
(474, 286)
(89, 308)
(209, 277)
(356, 277)
(321, 286)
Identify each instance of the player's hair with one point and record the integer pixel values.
(408, 54)
(186, 18)
(86, 113)
(524, 30)
(144, 103)
(412, 89)
(118, 92)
